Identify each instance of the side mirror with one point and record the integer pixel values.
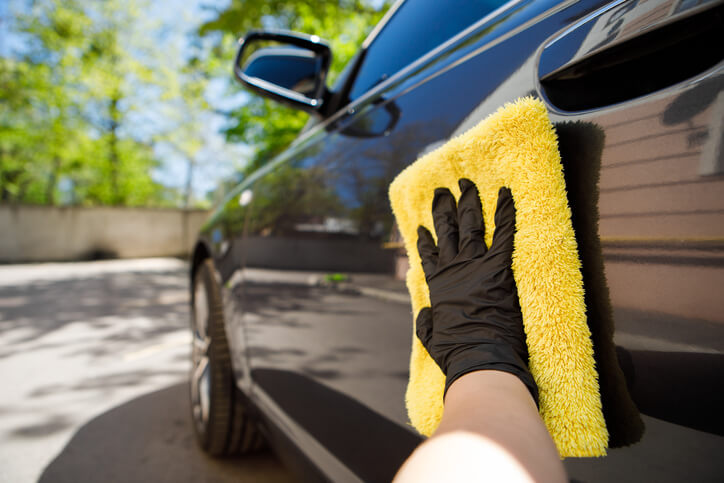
(293, 71)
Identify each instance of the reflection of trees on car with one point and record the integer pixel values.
(370, 176)
(335, 194)
(287, 196)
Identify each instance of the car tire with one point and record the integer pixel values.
(220, 419)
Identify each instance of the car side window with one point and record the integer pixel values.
(417, 27)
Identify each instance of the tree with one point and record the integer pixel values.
(65, 104)
(39, 115)
(185, 112)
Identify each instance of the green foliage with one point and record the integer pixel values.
(269, 126)
(68, 98)
(64, 103)
(336, 277)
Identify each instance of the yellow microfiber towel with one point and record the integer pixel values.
(514, 147)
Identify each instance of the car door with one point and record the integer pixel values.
(313, 269)
(655, 174)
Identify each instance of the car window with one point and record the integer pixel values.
(417, 27)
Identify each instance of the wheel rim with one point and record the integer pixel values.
(200, 371)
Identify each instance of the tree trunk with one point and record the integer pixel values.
(52, 181)
(113, 158)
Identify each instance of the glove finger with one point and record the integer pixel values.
(423, 327)
(504, 223)
(470, 221)
(428, 251)
(444, 216)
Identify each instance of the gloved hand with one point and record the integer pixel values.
(475, 321)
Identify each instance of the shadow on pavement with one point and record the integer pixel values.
(33, 310)
(151, 439)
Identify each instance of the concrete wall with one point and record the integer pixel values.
(47, 233)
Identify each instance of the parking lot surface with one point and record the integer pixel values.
(94, 358)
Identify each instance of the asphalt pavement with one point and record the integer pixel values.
(94, 359)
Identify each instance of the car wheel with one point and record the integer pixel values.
(221, 421)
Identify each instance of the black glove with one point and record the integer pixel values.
(475, 321)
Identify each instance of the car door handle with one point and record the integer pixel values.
(628, 50)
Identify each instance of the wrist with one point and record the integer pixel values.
(493, 357)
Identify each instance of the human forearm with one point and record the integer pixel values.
(498, 437)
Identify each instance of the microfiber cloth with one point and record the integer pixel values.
(515, 147)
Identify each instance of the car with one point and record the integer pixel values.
(300, 314)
